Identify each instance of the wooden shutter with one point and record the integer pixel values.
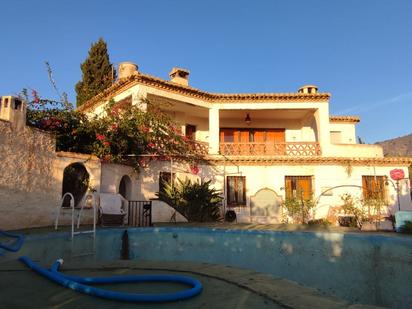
(304, 185)
(274, 141)
(373, 187)
(288, 187)
(275, 135)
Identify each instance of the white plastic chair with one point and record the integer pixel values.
(112, 209)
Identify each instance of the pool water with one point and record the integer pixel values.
(244, 268)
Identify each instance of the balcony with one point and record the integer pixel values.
(198, 146)
(295, 149)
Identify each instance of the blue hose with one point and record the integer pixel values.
(80, 284)
(16, 246)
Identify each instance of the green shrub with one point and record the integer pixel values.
(350, 208)
(299, 209)
(196, 202)
(321, 222)
(407, 227)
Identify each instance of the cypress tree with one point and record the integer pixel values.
(96, 73)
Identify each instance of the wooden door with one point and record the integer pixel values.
(244, 142)
(259, 139)
(275, 141)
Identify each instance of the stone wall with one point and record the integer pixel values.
(31, 175)
(27, 180)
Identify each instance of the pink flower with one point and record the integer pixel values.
(150, 145)
(100, 137)
(194, 169)
(106, 143)
(35, 96)
(115, 126)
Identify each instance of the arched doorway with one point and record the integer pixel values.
(125, 187)
(76, 181)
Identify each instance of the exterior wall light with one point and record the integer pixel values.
(248, 120)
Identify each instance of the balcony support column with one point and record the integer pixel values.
(322, 123)
(214, 130)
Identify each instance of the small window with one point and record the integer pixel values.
(336, 137)
(17, 104)
(299, 187)
(6, 102)
(236, 191)
(165, 178)
(373, 187)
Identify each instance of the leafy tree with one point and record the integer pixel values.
(96, 73)
(196, 202)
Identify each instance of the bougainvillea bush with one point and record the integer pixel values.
(120, 134)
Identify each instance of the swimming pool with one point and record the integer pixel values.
(359, 268)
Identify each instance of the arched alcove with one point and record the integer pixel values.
(76, 181)
(125, 187)
(265, 206)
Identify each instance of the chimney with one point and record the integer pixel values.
(13, 110)
(308, 89)
(179, 76)
(127, 69)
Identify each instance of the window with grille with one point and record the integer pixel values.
(373, 187)
(236, 190)
(299, 187)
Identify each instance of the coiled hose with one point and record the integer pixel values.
(14, 247)
(81, 284)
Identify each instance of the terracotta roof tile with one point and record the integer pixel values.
(126, 83)
(352, 119)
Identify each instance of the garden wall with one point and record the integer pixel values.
(31, 175)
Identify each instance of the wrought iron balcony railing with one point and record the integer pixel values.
(271, 149)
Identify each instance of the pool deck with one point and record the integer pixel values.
(283, 293)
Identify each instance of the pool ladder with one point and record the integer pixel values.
(60, 208)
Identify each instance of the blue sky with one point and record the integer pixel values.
(359, 51)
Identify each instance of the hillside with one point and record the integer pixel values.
(397, 147)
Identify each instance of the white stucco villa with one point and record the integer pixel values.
(264, 147)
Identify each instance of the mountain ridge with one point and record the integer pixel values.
(397, 147)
